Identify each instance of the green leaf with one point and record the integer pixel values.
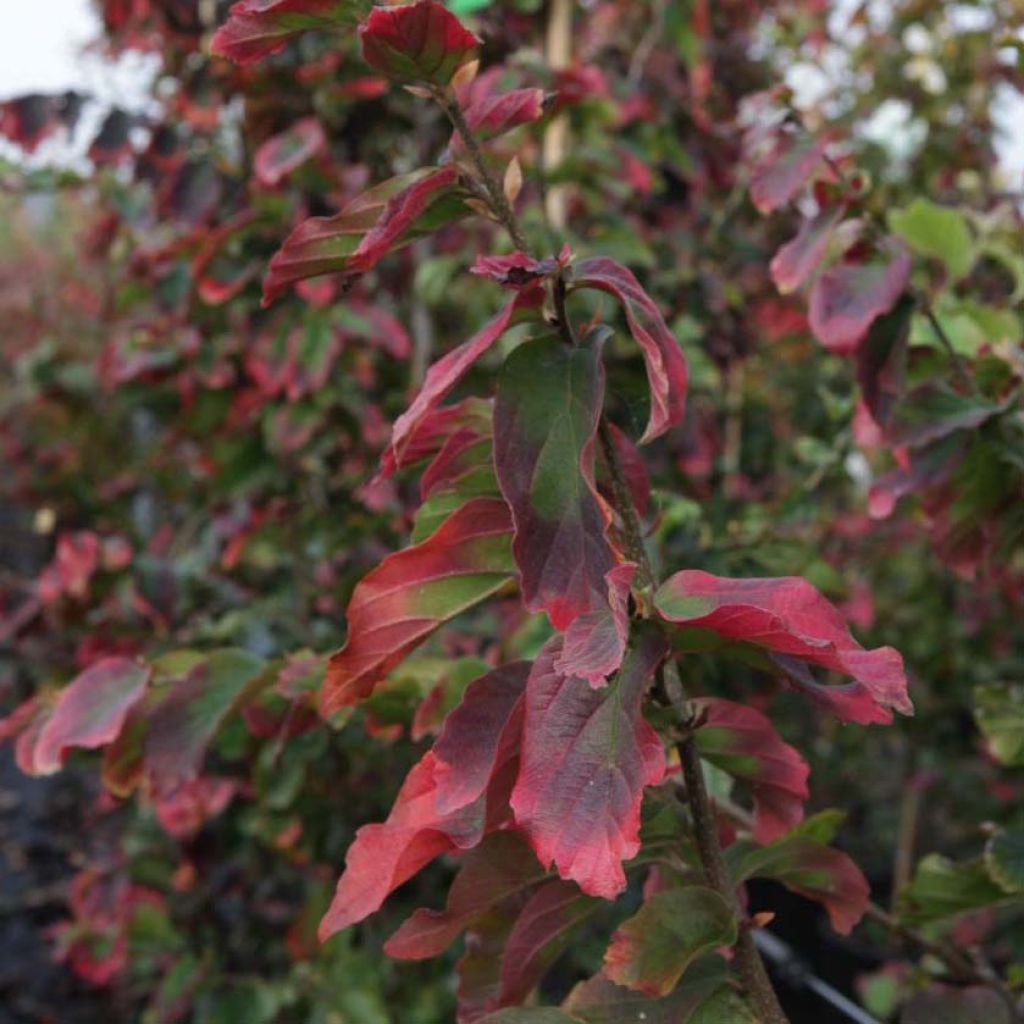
(600, 1001)
(808, 868)
(942, 889)
(1004, 858)
(461, 7)
(999, 712)
(725, 1007)
(650, 951)
(936, 231)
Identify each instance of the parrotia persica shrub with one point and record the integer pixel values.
(603, 385)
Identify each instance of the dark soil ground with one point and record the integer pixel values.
(40, 829)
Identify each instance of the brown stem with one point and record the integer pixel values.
(947, 344)
(748, 960)
(749, 964)
(495, 193)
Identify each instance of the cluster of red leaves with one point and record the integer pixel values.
(553, 755)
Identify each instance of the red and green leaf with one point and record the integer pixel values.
(595, 642)
(411, 593)
(790, 166)
(743, 742)
(258, 28)
(788, 616)
(808, 868)
(383, 219)
(450, 800)
(284, 153)
(587, 756)
(90, 712)
(800, 257)
(545, 425)
(541, 933)
(849, 297)
(166, 736)
(667, 373)
(650, 952)
(500, 867)
(451, 368)
(494, 114)
(418, 42)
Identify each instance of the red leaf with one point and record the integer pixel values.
(810, 869)
(788, 168)
(494, 115)
(847, 298)
(419, 42)
(538, 938)
(451, 368)
(500, 867)
(24, 725)
(587, 756)
(283, 153)
(166, 737)
(596, 641)
(434, 430)
(182, 812)
(258, 28)
(666, 366)
(743, 742)
(851, 702)
(411, 593)
(519, 270)
(545, 424)
(449, 801)
(91, 711)
(802, 255)
(788, 616)
(355, 240)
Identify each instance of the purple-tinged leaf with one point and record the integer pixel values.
(90, 712)
(788, 616)
(587, 756)
(800, 257)
(545, 425)
(810, 869)
(414, 591)
(743, 742)
(451, 368)
(666, 367)
(383, 219)
(450, 800)
(258, 28)
(497, 113)
(847, 298)
(539, 936)
(501, 866)
(788, 168)
(595, 642)
(290, 149)
(418, 42)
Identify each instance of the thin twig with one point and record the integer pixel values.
(495, 193)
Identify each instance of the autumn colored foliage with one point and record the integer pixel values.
(572, 551)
